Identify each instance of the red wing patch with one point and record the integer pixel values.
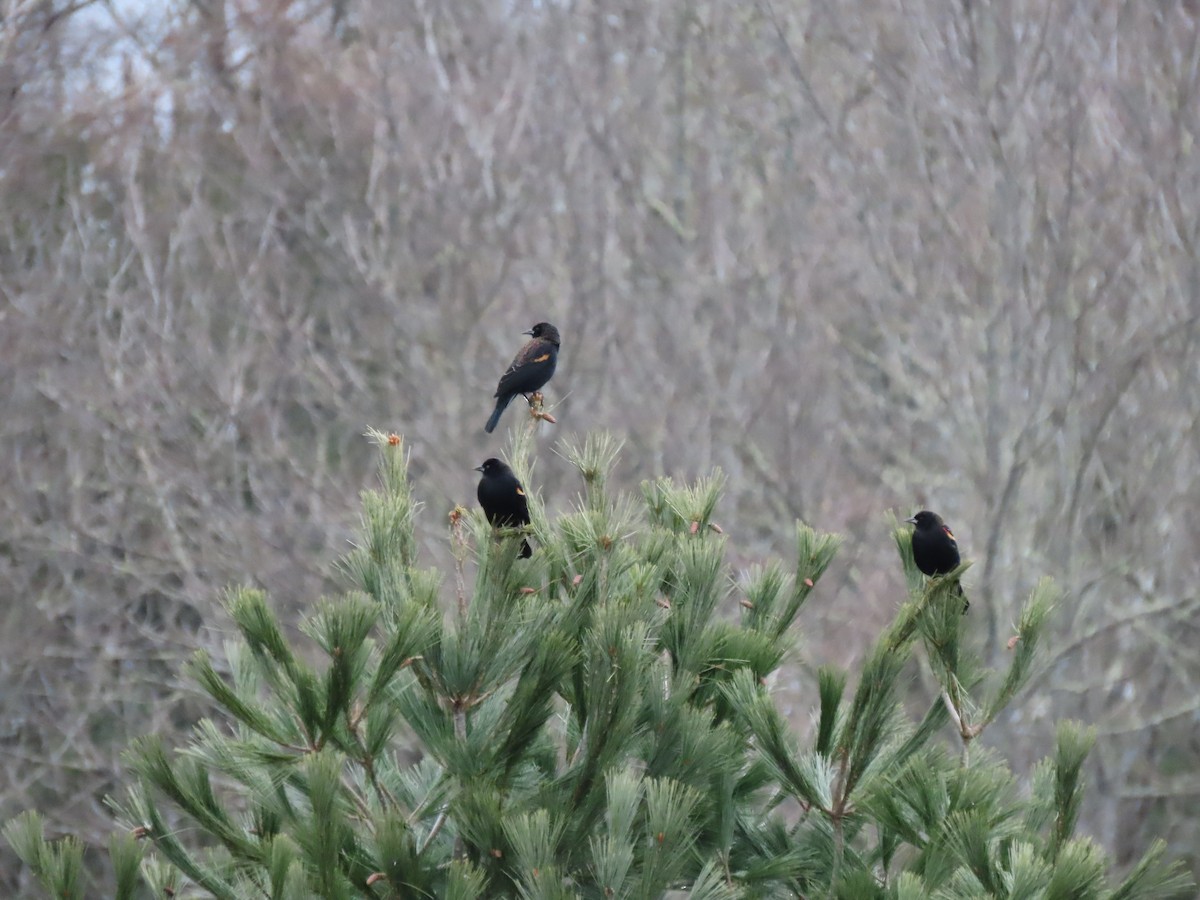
(521, 492)
(949, 533)
(542, 358)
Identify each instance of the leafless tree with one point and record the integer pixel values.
(862, 258)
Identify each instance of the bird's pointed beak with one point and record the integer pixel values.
(479, 468)
(912, 521)
(529, 332)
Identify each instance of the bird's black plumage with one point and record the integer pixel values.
(935, 549)
(503, 499)
(532, 367)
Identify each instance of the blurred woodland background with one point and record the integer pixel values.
(860, 256)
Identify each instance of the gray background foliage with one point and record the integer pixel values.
(862, 256)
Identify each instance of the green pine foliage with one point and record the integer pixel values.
(593, 722)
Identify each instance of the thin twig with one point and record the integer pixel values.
(459, 549)
(964, 733)
(437, 826)
(460, 731)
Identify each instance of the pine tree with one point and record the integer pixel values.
(592, 722)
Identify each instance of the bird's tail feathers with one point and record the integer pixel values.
(966, 603)
(501, 403)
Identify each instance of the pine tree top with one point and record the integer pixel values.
(594, 721)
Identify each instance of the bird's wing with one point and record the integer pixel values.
(523, 502)
(535, 353)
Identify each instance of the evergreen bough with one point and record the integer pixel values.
(593, 722)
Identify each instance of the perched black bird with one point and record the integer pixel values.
(935, 550)
(503, 499)
(530, 370)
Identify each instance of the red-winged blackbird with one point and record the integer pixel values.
(530, 369)
(935, 550)
(503, 499)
